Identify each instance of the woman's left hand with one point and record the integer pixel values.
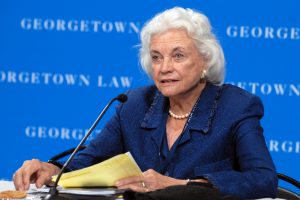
(149, 181)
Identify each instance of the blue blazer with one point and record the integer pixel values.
(223, 141)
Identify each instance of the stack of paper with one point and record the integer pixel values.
(79, 191)
(105, 173)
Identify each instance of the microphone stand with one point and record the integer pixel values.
(53, 192)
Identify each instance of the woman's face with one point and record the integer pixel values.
(177, 65)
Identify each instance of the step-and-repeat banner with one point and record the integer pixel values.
(62, 61)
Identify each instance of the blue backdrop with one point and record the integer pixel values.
(61, 62)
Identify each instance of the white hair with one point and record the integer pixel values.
(198, 28)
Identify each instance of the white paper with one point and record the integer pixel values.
(80, 191)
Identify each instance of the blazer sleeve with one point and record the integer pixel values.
(256, 176)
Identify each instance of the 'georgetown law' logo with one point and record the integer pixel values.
(74, 25)
(61, 133)
(65, 79)
(266, 89)
(65, 133)
(286, 146)
(267, 32)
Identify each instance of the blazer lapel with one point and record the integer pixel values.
(203, 114)
(155, 118)
(206, 108)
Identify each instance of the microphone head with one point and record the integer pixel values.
(122, 98)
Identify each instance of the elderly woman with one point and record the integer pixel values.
(189, 127)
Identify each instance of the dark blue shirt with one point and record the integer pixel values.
(223, 141)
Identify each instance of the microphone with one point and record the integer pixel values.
(53, 190)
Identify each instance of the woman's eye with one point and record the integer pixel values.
(155, 58)
(178, 56)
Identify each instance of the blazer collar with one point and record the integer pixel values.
(156, 112)
(204, 112)
(201, 117)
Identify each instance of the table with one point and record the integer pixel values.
(8, 185)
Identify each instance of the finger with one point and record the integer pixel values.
(18, 180)
(42, 178)
(131, 180)
(29, 169)
(135, 187)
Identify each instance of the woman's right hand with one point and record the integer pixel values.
(34, 171)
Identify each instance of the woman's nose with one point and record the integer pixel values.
(167, 65)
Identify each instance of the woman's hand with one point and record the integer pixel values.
(149, 181)
(34, 171)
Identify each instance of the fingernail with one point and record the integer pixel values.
(117, 183)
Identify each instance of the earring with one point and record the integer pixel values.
(203, 74)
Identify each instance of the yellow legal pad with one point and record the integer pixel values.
(105, 173)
